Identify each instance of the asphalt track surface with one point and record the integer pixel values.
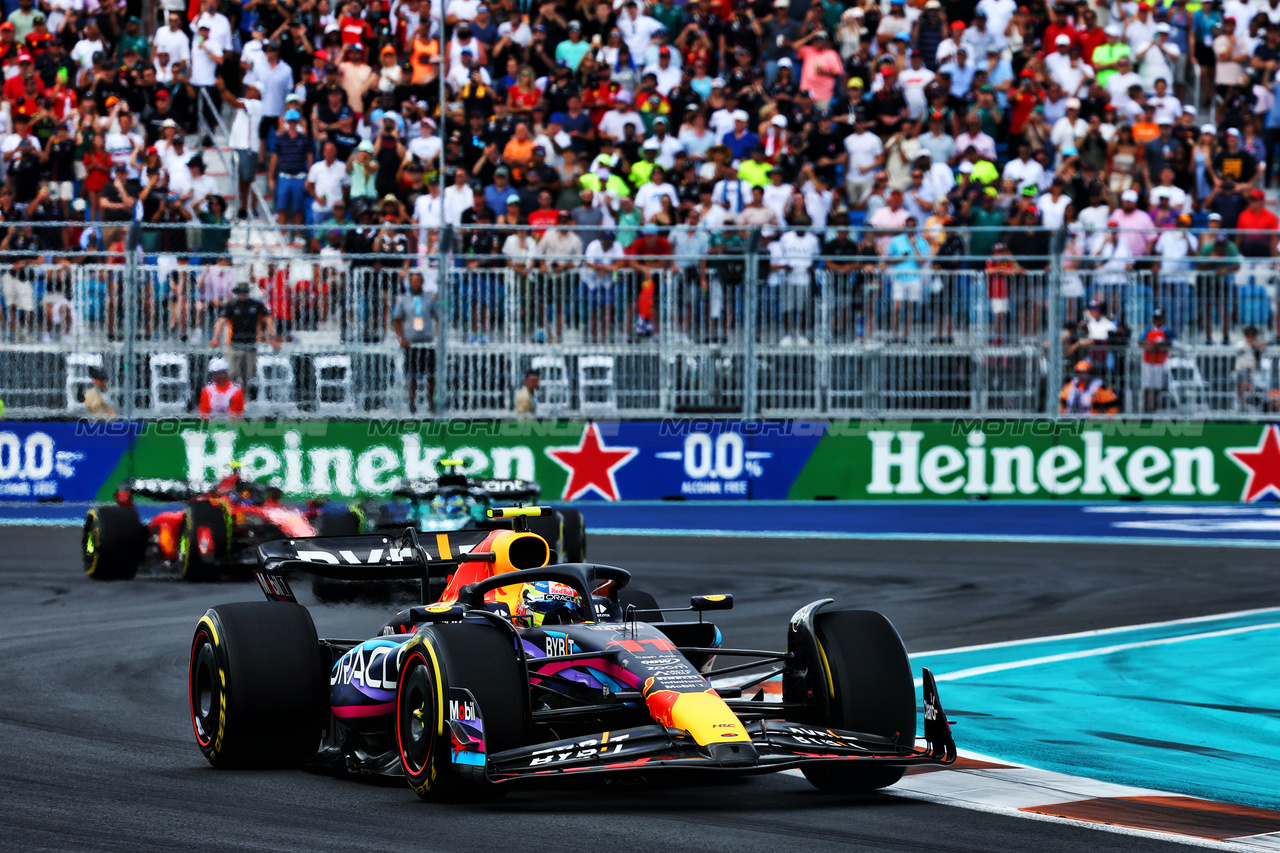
(97, 753)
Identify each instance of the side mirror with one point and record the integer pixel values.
(711, 602)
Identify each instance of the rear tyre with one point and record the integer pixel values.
(202, 541)
(112, 543)
(345, 523)
(573, 533)
(873, 693)
(478, 658)
(257, 685)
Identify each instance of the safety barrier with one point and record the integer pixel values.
(723, 326)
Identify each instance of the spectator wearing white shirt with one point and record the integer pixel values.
(999, 13)
(938, 176)
(274, 81)
(1141, 29)
(324, 183)
(1053, 205)
(1068, 131)
(797, 251)
(171, 39)
(458, 197)
(913, 80)
(721, 121)
(253, 53)
(613, 123)
(1118, 85)
(667, 73)
(649, 195)
(603, 258)
(429, 210)
(90, 43)
(668, 145)
(219, 26)
(866, 157)
(244, 141)
(206, 58)
(637, 29)
(1168, 108)
(203, 187)
(777, 194)
(733, 194)
(1157, 57)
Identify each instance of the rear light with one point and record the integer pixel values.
(124, 498)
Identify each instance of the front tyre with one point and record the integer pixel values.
(481, 659)
(872, 692)
(257, 685)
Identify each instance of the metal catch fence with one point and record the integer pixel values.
(728, 326)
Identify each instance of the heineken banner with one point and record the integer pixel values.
(672, 459)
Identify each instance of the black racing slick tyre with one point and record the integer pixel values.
(257, 685)
(479, 658)
(202, 541)
(113, 543)
(345, 523)
(573, 535)
(872, 691)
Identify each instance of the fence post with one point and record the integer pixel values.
(750, 285)
(444, 287)
(1054, 320)
(129, 299)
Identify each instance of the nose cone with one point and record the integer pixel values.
(734, 754)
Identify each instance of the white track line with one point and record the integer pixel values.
(1029, 539)
(1102, 632)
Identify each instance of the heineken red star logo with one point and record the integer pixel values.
(591, 465)
(1261, 464)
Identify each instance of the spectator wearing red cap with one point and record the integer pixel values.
(952, 43)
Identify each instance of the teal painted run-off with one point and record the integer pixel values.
(1191, 707)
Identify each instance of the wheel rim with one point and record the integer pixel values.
(205, 700)
(184, 544)
(90, 546)
(417, 719)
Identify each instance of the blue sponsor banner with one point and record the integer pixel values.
(59, 460)
(714, 459)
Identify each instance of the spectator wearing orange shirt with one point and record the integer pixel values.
(518, 152)
(1145, 129)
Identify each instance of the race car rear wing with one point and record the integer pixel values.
(368, 557)
(499, 489)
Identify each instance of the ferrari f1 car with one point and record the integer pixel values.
(218, 529)
(524, 671)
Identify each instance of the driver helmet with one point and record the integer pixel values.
(449, 505)
(547, 603)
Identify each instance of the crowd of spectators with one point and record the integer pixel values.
(904, 121)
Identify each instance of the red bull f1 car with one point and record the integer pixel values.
(523, 671)
(216, 531)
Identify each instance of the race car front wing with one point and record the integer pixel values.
(775, 745)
